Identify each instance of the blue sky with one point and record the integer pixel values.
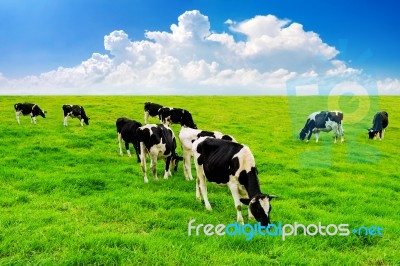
(38, 37)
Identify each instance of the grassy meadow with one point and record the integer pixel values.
(68, 198)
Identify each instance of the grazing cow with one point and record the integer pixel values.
(75, 111)
(380, 122)
(230, 163)
(187, 136)
(323, 121)
(28, 109)
(169, 116)
(159, 142)
(150, 109)
(127, 131)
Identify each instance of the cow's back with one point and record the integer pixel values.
(217, 158)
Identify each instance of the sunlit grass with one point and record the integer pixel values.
(67, 197)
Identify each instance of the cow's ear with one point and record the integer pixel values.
(245, 201)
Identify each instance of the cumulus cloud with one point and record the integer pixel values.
(191, 58)
(389, 86)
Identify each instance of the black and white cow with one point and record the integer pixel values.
(232, 164)
(28, 109)
(187, 136)
(75, 111)
(380, 122)
(158, 141)
(151, 109)
(127, 131)
(323, 121)
(169, 116)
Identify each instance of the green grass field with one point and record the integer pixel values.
(68, 198)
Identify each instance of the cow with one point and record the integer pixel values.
(151, 109)
(323, 121)
(170, 116)
(127, 131)
(158, 141)
(75, 111)
(230, 163)
(379, 123)
(28, 109)
(187, 136)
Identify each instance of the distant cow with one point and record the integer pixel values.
(169, 116)
(323, 121)
(75, 111)
(127, 131)
(233, 164)
(28, 109)
(159, 142)
(150, 109)
(380, 122)
(187, 136)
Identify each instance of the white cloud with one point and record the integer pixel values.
(193, 59)
(389, 86)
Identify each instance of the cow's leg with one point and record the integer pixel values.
(317, 136)
(167, 172)
(309, 135)
(198, 195)
(383, 133)
(335, 132)
(65, 121)
(201, 187)
(341, 133)
(33, 119)
(143, 161)
(146, 117)
(243, 194)
(187, 156)
(153, 165)
(17, 117)
(127, 149)
(236, 199)
(81, 122)
(380, 134)
(119, 143)
(136, 146)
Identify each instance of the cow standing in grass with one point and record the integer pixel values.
(379, 123)
(158, 141)
(127, 131)
(28, 109)
(75, 111)
(180, 116)
(151, 110)
(232, 164)
(324, 121)
(187, 136)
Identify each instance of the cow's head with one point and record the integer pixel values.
(260, 207)
(42, 113)
(303, 134)
(174, 161)
(372, 133)
(86, 120)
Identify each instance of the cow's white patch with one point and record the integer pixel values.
(265, 204)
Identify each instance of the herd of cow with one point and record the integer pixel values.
(217, 157)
